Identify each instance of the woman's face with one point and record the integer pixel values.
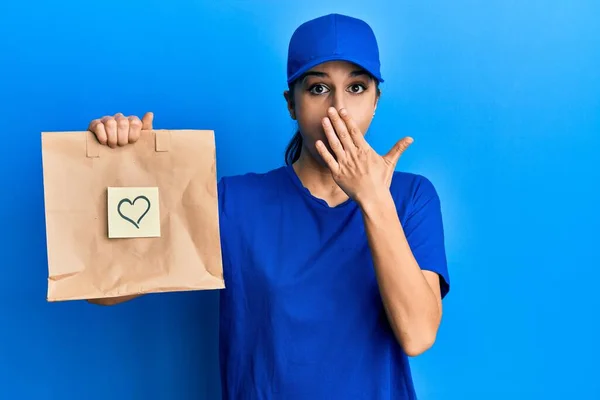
(335, 84)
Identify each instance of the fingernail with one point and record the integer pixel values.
(343, 112)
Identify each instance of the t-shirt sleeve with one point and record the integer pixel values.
(424, 231)
(224, 225)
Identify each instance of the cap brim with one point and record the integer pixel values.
(321, 60)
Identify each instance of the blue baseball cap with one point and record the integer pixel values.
(333, 37)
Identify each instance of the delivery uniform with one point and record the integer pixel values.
(301, 316)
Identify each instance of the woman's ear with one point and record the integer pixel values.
(290, 103)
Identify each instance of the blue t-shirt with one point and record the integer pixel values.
(301, 316)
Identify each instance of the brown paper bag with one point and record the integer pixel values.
(141, 218)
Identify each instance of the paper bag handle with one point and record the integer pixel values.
(162, 142)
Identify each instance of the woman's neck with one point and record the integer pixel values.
(317, 178)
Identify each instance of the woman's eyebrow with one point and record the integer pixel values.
(358, 72)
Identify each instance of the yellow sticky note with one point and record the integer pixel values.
(133, 212)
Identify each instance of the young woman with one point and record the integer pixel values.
(334, 264)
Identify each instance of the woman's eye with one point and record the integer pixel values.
(357, 88)
(318, 89)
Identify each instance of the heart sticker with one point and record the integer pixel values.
(135, 222)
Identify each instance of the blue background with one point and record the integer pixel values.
(502, 98)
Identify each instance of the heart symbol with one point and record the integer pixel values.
(135, 223)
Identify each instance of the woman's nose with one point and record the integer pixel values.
(337, 100)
